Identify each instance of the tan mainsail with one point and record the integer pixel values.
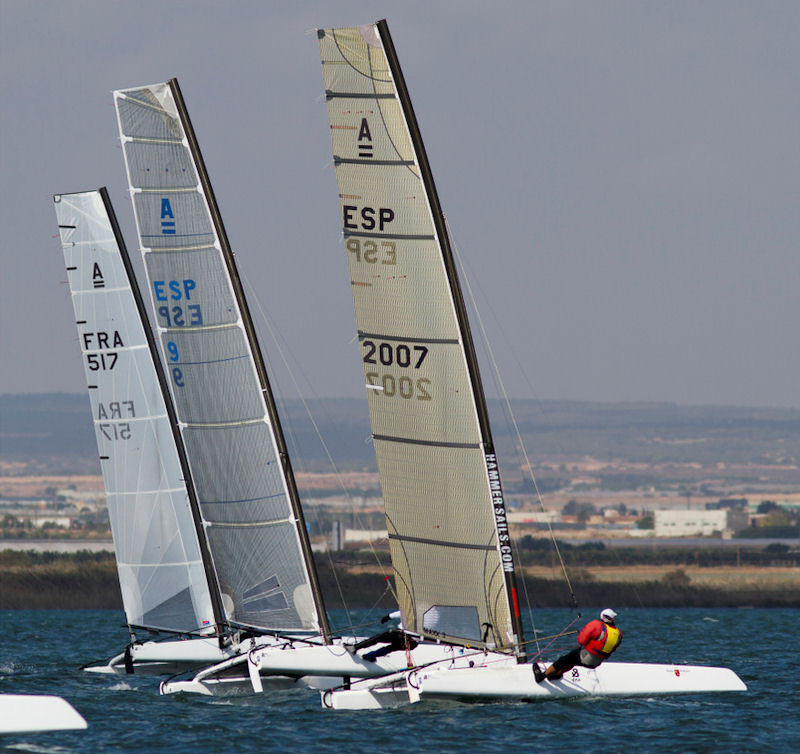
(454, 572)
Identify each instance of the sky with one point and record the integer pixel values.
(621, 179)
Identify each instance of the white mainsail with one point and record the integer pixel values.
(454, 571)
(162, 576)
(247, 496)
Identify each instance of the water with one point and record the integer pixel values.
(41, 651)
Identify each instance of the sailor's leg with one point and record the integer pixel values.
(563, 664)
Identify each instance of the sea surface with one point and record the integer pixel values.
(41, 653)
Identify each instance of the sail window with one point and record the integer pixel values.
(452, 620)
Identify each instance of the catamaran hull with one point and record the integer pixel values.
(30, 713)
(610, 679)
(171, 657)
(386, 692)
(509, 681)
(321, 667)
(337, 660)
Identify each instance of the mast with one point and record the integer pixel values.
(461, 312)
(266, 390)
(208, 566)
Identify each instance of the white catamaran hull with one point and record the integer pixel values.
(510, 681)
(319, 667)
(167, 657)
(29, 713)
(376, 693)
(610, 679)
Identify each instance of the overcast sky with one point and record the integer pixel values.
(622, 180)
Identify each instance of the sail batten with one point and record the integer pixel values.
(408, 338)
(217, 381)
(429, 443)
(441, 542)
(445, 514)
(396, 236)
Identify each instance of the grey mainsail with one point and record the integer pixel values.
(244, 481)
(162, 576)
(454, 570)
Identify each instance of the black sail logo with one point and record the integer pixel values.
(365, 148)
(97, 277)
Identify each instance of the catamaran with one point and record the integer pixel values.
(455, 571)
(166, 576)
(265, 593)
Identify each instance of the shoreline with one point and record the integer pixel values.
(91, 582)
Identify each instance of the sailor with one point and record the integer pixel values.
(596, 640)
(393, 639)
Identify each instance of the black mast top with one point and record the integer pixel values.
(455, 286)
(250, 332)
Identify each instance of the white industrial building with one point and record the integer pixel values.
(693, 523)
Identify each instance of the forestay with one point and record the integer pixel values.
(161, 572)
(243, 478)
(450, 548)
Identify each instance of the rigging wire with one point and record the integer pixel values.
(507, 402)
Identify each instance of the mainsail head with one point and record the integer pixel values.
(451, 553)
(162, 578)
(248, 500)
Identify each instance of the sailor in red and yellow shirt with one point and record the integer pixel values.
(597, 640)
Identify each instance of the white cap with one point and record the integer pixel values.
(608, 615)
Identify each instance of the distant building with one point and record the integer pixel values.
(365, 535)
(688, 523)
(533, 517)
(38, 518)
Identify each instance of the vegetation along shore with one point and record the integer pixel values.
(629, 577)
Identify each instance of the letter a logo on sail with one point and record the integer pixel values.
(97, 277)
(167, 218)
(365, 140)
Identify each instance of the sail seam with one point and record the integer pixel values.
(245, 500)
(167, 190)
(248, 524)
(196, 247)
(147, 249)
(357, 95)
(131, 420)
(70, 244)
(199, 328)
(431, 443)
(101, 290)
(118, 348)
(210, 361)
(383, 163)
(391, 236)
(404, 339)
(149, 492)
(214, 425)
(442, 543)
(152, 140)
